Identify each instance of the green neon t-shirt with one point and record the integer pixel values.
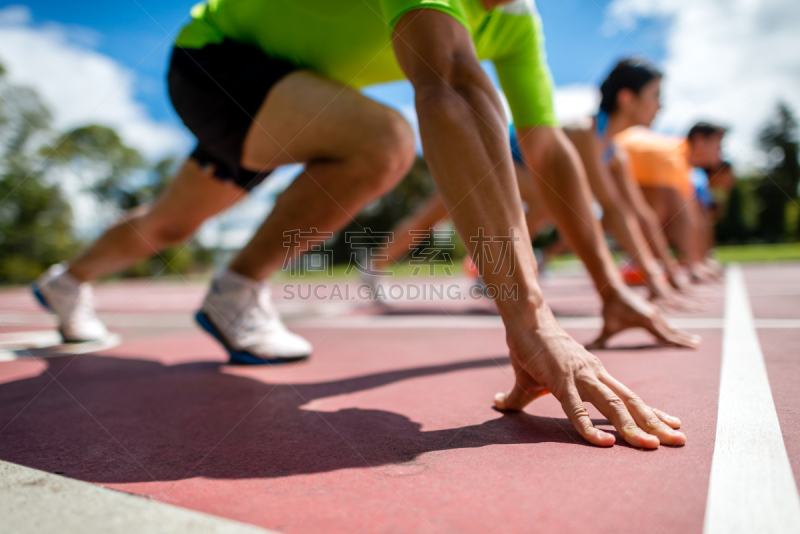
(350, 41)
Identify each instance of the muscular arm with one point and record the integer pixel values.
(466, 143)
(464, 134)
(565, 189)
(631, 195)
(618, 214)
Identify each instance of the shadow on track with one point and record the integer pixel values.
(121, 420)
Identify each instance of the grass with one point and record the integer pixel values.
(399, 270)
(758, 253)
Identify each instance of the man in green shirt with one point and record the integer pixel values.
(263, 83)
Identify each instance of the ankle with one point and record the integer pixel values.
(233, 279)
(74, 274)
(68, 280)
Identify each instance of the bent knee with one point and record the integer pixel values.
(391, 150)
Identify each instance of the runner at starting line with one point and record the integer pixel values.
(263, 84)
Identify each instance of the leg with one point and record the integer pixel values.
(428, 216)
(355, 150)
(192, 197)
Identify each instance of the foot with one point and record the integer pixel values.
(239, 313)
(626, 309)
(71, 300)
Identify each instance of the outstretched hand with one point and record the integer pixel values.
(708, 272)
(678, 281)
(625, 309)
(664, 296)
(547, 359)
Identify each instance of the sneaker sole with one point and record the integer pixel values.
(237, 356)
(40, 298)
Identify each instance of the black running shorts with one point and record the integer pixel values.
(217, 91)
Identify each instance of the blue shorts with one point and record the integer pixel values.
(515, 151)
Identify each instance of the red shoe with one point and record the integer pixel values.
(632, 275)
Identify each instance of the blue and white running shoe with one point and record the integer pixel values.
(72, 301)
(238, 312)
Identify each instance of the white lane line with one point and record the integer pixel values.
(29, 340)
(48, 344)
(35, 502)
(752, 488)
(423, 321)
(482, 322)
(777, 323)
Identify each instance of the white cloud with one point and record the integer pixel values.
(575, 102)
(726, 60)
(80, 85)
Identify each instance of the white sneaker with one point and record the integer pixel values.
(71, 300)
(239, 313)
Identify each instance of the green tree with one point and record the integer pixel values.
(732, 228)
(779, 140)
(99, 153)
(36, 223)
(35, 218)
(123, 179)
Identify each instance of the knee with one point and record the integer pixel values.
(390, 152)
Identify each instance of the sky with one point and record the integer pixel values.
(724, 60)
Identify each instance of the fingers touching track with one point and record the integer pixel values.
(548, 360)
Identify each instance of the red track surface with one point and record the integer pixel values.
(384, 430)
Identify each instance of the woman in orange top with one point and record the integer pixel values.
(662, 165)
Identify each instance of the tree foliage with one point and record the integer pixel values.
(35, 219)
(99, 151)
(778, 188)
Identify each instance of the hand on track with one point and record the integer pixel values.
(547, 359)
(679, 282)
(705, 273)
(663, 296)
(625, 309)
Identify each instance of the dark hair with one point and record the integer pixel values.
(705, 129)
(630, 73)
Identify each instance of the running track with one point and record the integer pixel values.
(390, 428)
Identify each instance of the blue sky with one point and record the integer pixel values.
(135, 33)
(724, 60)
